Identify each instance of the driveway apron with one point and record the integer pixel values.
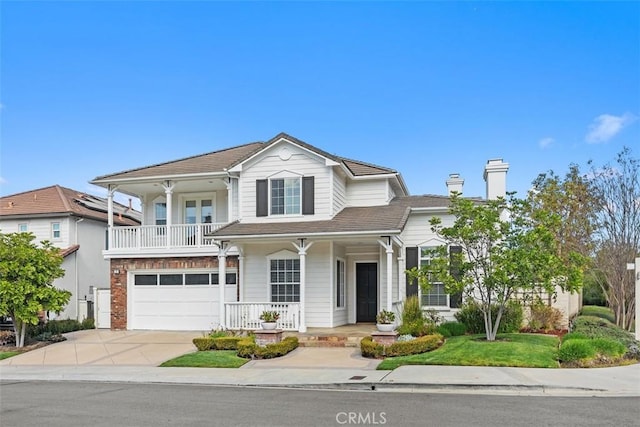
(105, 347)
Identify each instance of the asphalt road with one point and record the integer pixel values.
(115, 404)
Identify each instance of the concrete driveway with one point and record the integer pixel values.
(105, 347)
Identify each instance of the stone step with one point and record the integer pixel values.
(328, 341)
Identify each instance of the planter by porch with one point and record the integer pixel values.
(384, 327)
(268, 325)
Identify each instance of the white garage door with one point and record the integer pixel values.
(176, 301)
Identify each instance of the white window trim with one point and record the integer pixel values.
(284, 175)
(155, 201)
(283, 254)
(199, 197)
(133, 273)
(53, 236)
(344, 285)
(420, 258)
(26, 227)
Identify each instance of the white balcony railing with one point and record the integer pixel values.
(246, 315)
(162, 236)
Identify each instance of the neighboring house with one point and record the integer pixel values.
(272, 225)
(75, 222)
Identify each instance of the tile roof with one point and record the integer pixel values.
(368, 219)
(64, 201)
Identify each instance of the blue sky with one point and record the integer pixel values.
(428, 88)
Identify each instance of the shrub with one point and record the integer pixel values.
(576, 350)
(54, 327)
(416, 346)
(417, 328)
(217, 333)
(544, 317)
(385, 317)
(88, 323)
(7, 338)
(574, 336)
(608, 347)
(596, 327)
(226, 343)
(369, 348)
(412, 310)
(204, 343)
(453, 329)
(602, 312)
(472, 317)
(247, 348)
(269, 316)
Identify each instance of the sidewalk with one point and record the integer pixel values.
(605, 382)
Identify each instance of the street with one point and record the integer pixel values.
(125, 404)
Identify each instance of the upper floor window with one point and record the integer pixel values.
(161, 213)
(23, 228)
(285, 196)
(55, 230)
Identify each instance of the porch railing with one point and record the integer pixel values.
(246, 315)
(162, 236)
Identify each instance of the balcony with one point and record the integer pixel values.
(161, 239)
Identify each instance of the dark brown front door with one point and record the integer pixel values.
(366, 292)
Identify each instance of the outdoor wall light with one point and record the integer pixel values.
(116, 271)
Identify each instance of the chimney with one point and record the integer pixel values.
(454, 183)
(495, 175)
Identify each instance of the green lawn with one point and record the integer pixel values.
(516, 350)
(207, 359)
(8, 354)
(597, 311)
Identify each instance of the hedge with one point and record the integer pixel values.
(226, 343)
(471, 315)
(370, 348)
(417, 346)
(452, 329)
(204, 343)
(247, 348)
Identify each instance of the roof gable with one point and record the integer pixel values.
(58, 200)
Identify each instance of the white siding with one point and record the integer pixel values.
(318, 284)
(418, 229)
(41, 228)
(177, 201)
(339, 192)
(269, 163)
(367, 193)
(235, 208)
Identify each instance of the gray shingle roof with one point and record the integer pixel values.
(370, 219)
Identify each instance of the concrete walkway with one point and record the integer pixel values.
(133, 356)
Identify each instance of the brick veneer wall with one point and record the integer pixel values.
(124, 265)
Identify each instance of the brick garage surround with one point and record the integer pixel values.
(124, 265)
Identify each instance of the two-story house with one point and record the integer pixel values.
(280, 225)
(76, 223)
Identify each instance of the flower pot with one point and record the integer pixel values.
(384, 327)
(269, 325)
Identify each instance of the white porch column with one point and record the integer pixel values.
(388, 246)
(111, 189)
(302, 248)
(168, 191)
(240, 273)
(229, 200)
(223, 247)
(402, 277)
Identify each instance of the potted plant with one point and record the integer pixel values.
(269, 319)
(384, 320)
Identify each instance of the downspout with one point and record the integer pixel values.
(75, 261)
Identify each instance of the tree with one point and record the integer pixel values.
(26, 275)
(617, 189)
(504, 251)
(573, 200)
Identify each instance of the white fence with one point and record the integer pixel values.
(162, 236)
(246, 315)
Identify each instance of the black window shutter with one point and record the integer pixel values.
(308, 195)
(411, 259)
(262, 197)
(455, 300)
